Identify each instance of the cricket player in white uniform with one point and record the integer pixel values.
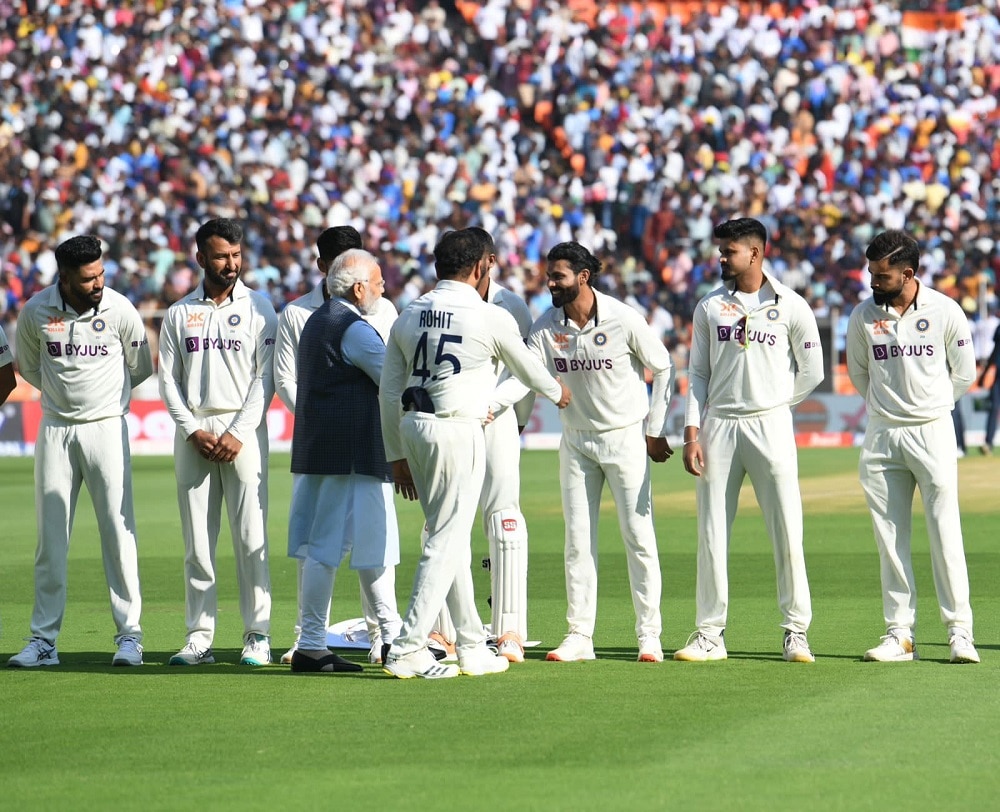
(437, 381)
(755, 354)
(331, 244)
(84, 347)
(216, 348)
(503, 523)
(910, 355)
(8, 383)
(600, 348)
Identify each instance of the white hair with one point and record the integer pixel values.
(354, 265)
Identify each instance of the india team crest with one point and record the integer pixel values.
(234, 320)
(922, 325)
(98, 325)
(601, 339)
(772, 314)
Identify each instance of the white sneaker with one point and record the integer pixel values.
(896, 647)
(797, 648)
(286, 658)
(702, 648)
(37, 652)
(962, 650)
(192, 655)
(129, 652)
(510, 647)
(574, 648)
(650, 650)
(480, 661)
(256, 650)
(417, 664)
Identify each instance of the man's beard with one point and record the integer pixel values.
(886, 296)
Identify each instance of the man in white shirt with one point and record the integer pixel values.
(342, 502)
(755, 354)
(600, 348)
(331, 243)
(438, 378)
(84, 347)
(910, 355)
(216, 348)
(7, 380)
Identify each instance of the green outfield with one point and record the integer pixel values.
(749, 733)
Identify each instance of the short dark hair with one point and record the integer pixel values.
(456, 254)
(76, 252)
(489, 247)
(578, 257)
(334, 241)
(228, 229)
(741, 229)
(896, 246)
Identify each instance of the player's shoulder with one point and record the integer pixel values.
(44, 298)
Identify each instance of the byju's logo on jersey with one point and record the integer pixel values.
(582, 364)
(561, 365)
(54, 348)
(883, 352)
(725, 332)
(56, 325)
(192, 344)
(880, 352)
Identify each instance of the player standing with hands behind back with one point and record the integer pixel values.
(755, 353)
(83, 346)
(910, 355)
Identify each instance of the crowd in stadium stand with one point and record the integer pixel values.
(632, 128)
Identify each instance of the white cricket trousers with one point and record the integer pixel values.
(447, 457)
(894, 460)
(67, 455)
(588, 459)
(508, 550)
(201, 487)
(763, 447)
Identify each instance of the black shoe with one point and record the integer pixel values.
(303, 664)
(385, 652)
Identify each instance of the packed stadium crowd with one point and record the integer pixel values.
(631, 128)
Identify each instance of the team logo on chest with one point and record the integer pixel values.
(601, 339)
(922, 325)
(234, 320)
(772, 314)
(98, 325)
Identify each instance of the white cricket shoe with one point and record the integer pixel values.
(650, 650)
(192, 655)
(129, 652)
(37, 652)
(510, 647)
(480, 661)
(574, 648)
(286, 658)
(962, 650)
(419, 663)
(702, 648)
(797, 648)
(256, 650)
(896, 647)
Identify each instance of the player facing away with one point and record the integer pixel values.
(331, 243)
(216, 347)
(437, 381)
(503, 523)
(7, 380)
(600, 348)
(84, 347)
(910, 355)
(755, 354)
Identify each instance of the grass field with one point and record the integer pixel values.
(749, 733)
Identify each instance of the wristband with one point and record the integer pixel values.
(688, 442)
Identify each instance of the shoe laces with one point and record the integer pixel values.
(796, 640)
(700, 641)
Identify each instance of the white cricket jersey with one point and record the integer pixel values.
(447, 342)
(603, 365)
(85, 365)
(6, 355)
(911, 368)
(217, 359)
(748, 362)
(293, 318)
(500, 296)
